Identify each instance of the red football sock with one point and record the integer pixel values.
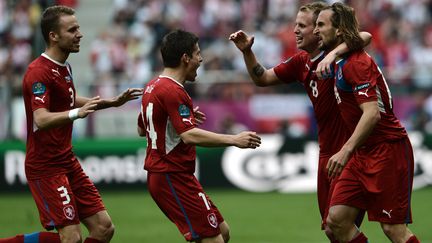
(41, 237)
(412, 239)
(49, 237)
(15, 239)
(91, 240)
(361, 238)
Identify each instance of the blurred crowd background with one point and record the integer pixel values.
(125, 53)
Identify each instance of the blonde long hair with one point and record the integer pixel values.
(345, 20)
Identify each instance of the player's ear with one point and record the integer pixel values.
(185, 58)
(338, 32)
(53, 36)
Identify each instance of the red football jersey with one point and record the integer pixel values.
(332, 133)
(359, 80)
(48, 84)
(166, 112)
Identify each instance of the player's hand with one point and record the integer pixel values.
(242, 40)
(128, 95)
(200, 117)
(324, 69)
(89, 107)
(247, 139)
(337, 162)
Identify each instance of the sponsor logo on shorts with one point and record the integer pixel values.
(387, 212)
(69, 212)
(212, 220)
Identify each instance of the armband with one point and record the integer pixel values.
(73, 114)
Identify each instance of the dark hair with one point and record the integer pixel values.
(50, 19)
(315, 8)
(345, 20)
(175, 44)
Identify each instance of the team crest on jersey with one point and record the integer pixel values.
(340, 73)
(68, 79)
(38, 88)
(362, 86)
(184, 111)
(69, 212)
(212, 220)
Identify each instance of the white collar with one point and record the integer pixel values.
(172, 79)
(317, 56)
(52, 60)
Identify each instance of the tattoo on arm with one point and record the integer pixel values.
(258, 70)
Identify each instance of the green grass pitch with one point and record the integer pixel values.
(253, 217)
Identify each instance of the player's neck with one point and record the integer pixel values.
(56, 54)
(314, 53)
(175, 74)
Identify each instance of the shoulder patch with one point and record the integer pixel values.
(362, 86)
(38, 88)
(184, 111)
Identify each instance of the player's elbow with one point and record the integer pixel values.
(188, 138)
(261, 81)
(40, 124)
(375, 116)
(141, 132)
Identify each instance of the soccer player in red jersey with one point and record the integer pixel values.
(63, 193)
(301, 68)
(379, 178)
(169, 122)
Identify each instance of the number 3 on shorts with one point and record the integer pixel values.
(64, 194)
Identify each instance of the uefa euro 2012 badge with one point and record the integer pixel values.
(184, 111)
(38, 88)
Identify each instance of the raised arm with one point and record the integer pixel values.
(200, 137)
(260, 75)
(323, 69)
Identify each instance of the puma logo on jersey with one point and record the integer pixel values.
(187, 120)
(41, 99)
(364, 93)
(388, 213)
(56, 72)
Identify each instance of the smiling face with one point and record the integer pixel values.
(324, 29)
(193, 63)
(68, 36)
(305, 38)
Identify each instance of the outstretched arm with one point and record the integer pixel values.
(44, 119)
(127, 95)
(260, 75)
(323, 69)
(200, 137)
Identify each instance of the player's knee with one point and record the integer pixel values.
(394, 232)
(71, 237)
(226, 236)
(225, 231)
(329, 233)
(106, 230)
(332, 222)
